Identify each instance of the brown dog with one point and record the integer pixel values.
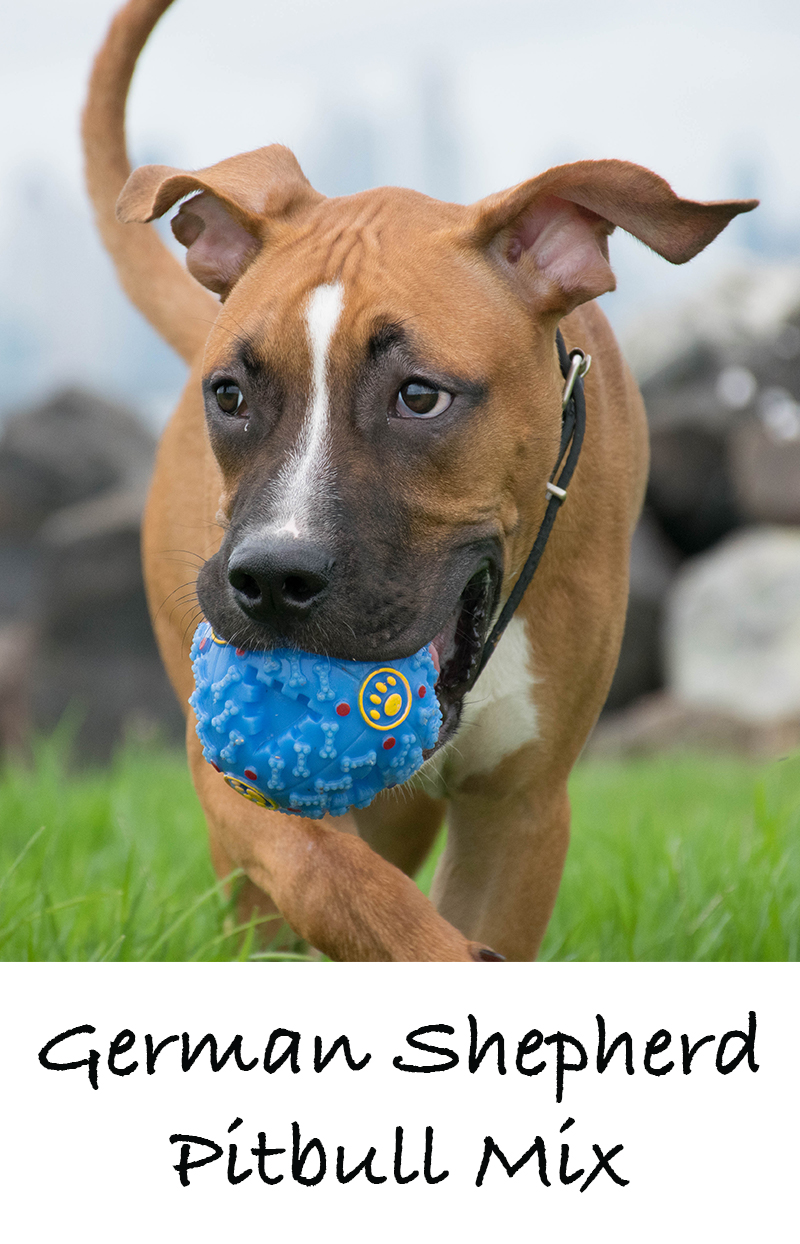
(359, 462)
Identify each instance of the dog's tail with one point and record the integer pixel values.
(174, 303)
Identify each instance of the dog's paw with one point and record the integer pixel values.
(483, 954)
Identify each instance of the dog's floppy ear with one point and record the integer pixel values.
(550, 235)
(223, 226)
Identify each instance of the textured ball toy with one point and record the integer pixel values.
(306, 734)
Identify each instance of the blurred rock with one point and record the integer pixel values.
(692, 404)
(73, 479)
(684, 391)
(733, 627)
(691, 488)
(720, 378)
(661, 722)
(71, 449)
(721, 383)
(653, 565)
(17, 644)
(765, 462)
(749, 303)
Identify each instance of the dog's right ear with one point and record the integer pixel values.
(222, 227)
(549, 236)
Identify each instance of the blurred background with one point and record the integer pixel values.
(456, 100)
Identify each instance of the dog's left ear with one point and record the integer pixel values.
(224, 226)
(550, 235)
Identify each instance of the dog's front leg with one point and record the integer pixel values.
(499, 874)
(331, 887)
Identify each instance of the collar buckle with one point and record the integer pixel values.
(578, 367)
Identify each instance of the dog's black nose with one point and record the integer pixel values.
(279, 579)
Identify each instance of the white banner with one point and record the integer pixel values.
(573, 1101)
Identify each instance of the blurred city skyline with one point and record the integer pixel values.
(455, 100)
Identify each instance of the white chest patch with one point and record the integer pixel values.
(499, 717)
(305, 479)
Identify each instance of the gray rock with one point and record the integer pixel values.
(733, 627)
(653, 565)
(661, 723)
(17, 645)
(721, 383)
(750, 302)
(73, 617)
(691, 489)
(764, 457)
(74, 447)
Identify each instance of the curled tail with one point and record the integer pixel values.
(174, 303)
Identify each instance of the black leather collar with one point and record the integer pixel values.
(574, 366)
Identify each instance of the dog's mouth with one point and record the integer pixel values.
(457, 650)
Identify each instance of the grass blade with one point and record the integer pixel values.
(213, 890)
(9, 871)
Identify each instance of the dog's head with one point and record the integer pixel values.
(382, 390)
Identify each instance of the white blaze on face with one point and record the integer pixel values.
(307, 475)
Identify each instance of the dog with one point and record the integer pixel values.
(360, 464)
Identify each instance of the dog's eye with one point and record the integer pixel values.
(417, 400)
(229, 398)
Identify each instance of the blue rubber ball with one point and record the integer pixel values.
(303, 733)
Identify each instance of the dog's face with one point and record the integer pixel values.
(375, 404)
(382, 392)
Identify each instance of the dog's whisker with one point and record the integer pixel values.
(190, 583)
(170, 553)
(184, 603)
(181, 561)
(218, 323)
(187, 607)
(190, 629)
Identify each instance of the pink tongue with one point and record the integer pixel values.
(435, 657)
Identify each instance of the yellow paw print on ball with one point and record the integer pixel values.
(384, 699)
(249, 792)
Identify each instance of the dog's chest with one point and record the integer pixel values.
(499, 716)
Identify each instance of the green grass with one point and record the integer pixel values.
(109, 864)
(673, 858)
(681, 858)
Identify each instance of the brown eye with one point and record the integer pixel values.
(229, 398)
(417, 400)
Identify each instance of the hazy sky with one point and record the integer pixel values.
(705, 93)
(682, 87)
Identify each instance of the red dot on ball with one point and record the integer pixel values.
(422, 691)
(251, 774)
(241, 652)
(213, 766)
(389, 743)
(342, 709)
